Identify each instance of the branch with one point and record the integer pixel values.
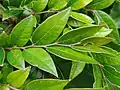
(49, 11)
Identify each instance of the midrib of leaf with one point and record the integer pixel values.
(40, 61)
(50, 29)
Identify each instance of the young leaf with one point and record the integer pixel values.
(100, 4)
(70, 54)
(96, 41)
(16, 59)
(77, 35)
(76, 69)
(78, 4)
(21, 33)
(39, 5)
(48, 32)
(97, 76)
(103, 32)
(2, 56)
(81, 17)
(40, 58)
(107, 20)
(17, 78)
(46, 84)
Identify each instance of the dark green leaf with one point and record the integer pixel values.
(2, 56)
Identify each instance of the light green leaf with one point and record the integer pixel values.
(48, 32)
(77, 35)
(81, 17)
(78, 4)
(4, 87)
(5, 40)
(2, 56)
(103, 32)
(112, 75)
(70, 54)
(108, 21)
(47, 84)
(40, 58)
(97, 76)
(16, 59)
(85, 89)
(51, 3)
(76, 69)
(59, 4)
(39, 5)
(96, 41)
(100, 4)
(21, 33)
(17, 78)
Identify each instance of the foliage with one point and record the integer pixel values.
(59, 44)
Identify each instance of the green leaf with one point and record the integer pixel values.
(81, 17)
(100, 4)
(48, 32)
(85, 89)
(2, 56)
(112, 75)
(5, 40)
(76, 69)
(59, 4)
(16, 59)
(103, 32)
(108, 21)
(111, 59)
(78, 4)
(51, 3)
(39, 5)
(17, 78)
(46, 84)
(21, 33)
(77, 35)
(96, 41)
(40, 58)
(4, 87)
(70, 54)
(97, 76)
(114, 13)
(7, 68)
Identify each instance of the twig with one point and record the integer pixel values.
(49, 11)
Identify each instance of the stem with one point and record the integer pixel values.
(49, 11)
(36, 46)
